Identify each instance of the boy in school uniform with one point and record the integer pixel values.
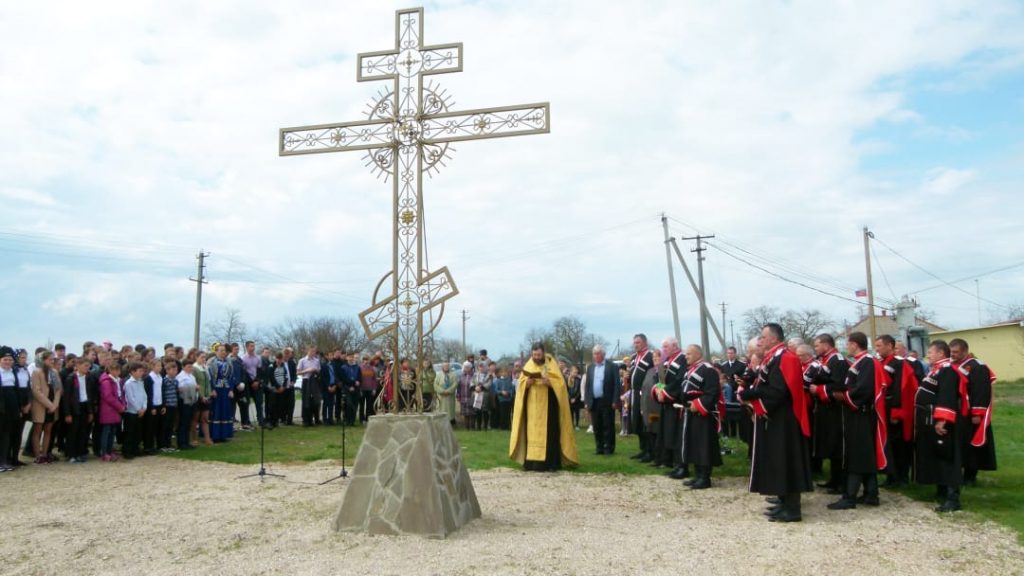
(188, 395)
(135, 414)
(154, 418)
(168, 419)
(76, 408)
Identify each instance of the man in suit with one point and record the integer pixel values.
(732, 367)
(601, 396)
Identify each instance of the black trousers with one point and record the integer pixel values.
(327, 409)
(133, 429)
(77, 442)
(366, 404)
(602, 415)
(168, 425)
(289, 404)
(10, 425)
(151, 424)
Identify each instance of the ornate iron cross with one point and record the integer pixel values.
(408, 132)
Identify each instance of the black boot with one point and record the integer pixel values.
(703, 478)
(790, 509)
(870, 490)
(952, 503)
(677, 473)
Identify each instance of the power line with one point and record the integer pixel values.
(790, 268)
(972, 277)
(922, 269)
(874, 254)
(783, 278)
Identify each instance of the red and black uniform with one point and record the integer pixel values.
(979, 443)
(703, 391)
(641, 365)
(829, 417)
(781, 460)
(864, 430)
(939, 459)
(669, 427)
(899, 402)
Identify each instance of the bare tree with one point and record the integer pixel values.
(325, 332)
(542, 335)
(227, 330)
(448, 350)
(1015, 311)
(807, 323)
(570, 337)
(755, 318)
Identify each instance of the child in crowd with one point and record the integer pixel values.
(169, 390)
(135, 413)
(187, 397)
(112, 405)
(201, 417)
(152, 424)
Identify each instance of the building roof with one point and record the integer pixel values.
(886, 324)
(1018, 322)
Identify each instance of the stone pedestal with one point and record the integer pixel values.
(408, 478)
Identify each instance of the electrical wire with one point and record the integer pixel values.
(874, 255)
(972, 277)
(783, 278)
(922, 269)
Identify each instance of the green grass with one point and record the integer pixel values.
(999, 495)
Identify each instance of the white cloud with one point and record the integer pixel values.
(945, 181)
(160, 121)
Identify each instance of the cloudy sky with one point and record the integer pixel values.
(137, 133)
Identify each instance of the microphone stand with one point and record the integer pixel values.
(262, 473)
(344, 472)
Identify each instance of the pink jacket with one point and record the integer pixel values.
(112, 402)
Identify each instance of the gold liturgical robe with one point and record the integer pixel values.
(529, 438)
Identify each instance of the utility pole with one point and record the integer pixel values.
(732, 329)
(700, 283)
(977, 292)
(723, 304)
(200, 279)
(671, 279)
(464, 318)
(696, 291)
(871, 290)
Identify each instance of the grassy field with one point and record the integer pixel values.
(999, 495)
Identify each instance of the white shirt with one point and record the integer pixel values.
(158, 388)
(599, 380)
(7, 378)
(83, 392)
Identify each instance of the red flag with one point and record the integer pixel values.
(862, 293)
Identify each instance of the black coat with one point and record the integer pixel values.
(861, 420)
(70, 404)
(639, 368)
(669, 426)
(979, 392)
(938, 460)
(828, 425)
(612, 388)
(703, 390)
(780, 463)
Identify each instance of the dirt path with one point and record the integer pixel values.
(161, 516)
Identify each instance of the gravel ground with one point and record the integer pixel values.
(162, 516)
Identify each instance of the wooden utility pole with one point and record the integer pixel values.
(871, 290)
(700, 289)
(464, 318)
(199, 280)
(671, 278)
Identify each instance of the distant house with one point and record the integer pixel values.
(1001, 346)
(886, 324)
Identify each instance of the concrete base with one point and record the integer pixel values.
(408, 478)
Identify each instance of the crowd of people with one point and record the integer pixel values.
(797, 406)
(81, 405)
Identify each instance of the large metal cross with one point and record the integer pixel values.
(408, 132)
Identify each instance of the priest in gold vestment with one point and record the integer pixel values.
(542, 435)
